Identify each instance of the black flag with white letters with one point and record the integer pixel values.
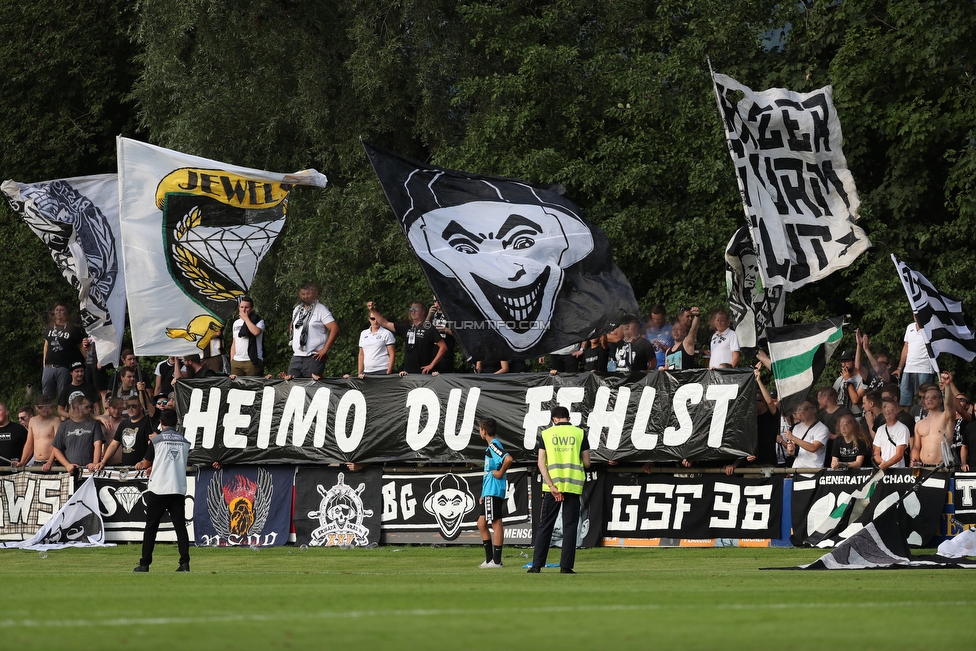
(518, 270)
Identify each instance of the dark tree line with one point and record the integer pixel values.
(610, 99)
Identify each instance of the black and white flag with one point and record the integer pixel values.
(78, 219)
(754, 306)
(798, 195)
(78, 524)
(939, 316)
(517, 269)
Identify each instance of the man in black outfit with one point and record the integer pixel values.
(424, 346)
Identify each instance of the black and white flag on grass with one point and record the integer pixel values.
(78, 524)
(799, 354)
(517, 269)
(939, 315)
(754, 307)
(78, 220)
(798, 195)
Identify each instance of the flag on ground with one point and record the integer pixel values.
(799, 354)
(798, 195)
(939, 316)
(78, 219)
(516, 268)
(849, 509)
(193, 231)
(77, 524)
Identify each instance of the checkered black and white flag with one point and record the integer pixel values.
(939, 315)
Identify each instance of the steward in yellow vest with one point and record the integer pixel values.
(564, 455)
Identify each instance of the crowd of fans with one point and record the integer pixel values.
(86, 417)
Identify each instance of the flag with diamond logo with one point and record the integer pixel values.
(194, 231)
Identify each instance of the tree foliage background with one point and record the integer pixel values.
(610, 99)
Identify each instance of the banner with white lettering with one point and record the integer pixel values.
(591, 509)
(194, 231)
(964, 498)
(647, 416)
(797, 192)
(817, 498)
(123, 510)
(709, 506)
(335, 507)
(243, 505)
(28, 500)
(444, 508)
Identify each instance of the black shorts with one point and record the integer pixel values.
(492, 508)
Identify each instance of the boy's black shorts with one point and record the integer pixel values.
(492, 508)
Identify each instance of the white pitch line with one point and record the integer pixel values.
(454, 612)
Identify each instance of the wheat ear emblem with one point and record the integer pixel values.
(189, 264)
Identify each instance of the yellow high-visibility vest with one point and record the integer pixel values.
(563, 445)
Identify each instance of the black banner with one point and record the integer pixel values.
(817, 497)
(648, 416)
(591, 510)
(243, 506)
(964, 498)
(123, 511)
(711, 506)
(443, 508)
(337, 508)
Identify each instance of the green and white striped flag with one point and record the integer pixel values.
(799, 354)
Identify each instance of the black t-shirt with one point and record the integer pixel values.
(63, 345)
(848, 452)
(969, 438)
(830, 420)
(446, 365)
(595, 359)
(633, 355)
(13, 436)
(85, 389)
(421, 345)
(767, 429)
(165, 370)
(77, 440)
(133, 439)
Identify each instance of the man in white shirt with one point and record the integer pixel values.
(915, 366)
(809, 437)
(891, 439)
(313, 331)
(247, 341)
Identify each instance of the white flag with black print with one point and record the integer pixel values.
(939, 316)
(798, 195)
(78, 220)
(194, 231)
(78, 524)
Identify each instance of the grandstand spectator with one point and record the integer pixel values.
(829, 414)
(13, 437)
(852, 447)
(874, 374)
(79, 440)
(40, 433)
(871, 404)
(377, 350)
(132, 436)
(724, 347)
(934, 433)
(632, 353)
(891, 439)
(681, 354)
(24, 415)
(312, 332)
(915, 366)
(110, 424)
(424, 347)
(437, 318)
(167, 371)
(127, 385)
(247, 341)
(195, 368)
(595, 355)
(658, 332)
(64, 343)
(129, 360)
(809, 437)
(78, 385)
(850, 386)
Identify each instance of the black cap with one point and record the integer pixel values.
(75, 365)
(847, 354)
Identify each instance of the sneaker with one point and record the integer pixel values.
(486, 565)
(141, 568)
(494, 566)
(533, 570)
(566, 570)
(184, 567)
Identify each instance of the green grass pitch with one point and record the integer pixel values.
(437, 598)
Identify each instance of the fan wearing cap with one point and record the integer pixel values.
(850, 387)
(78, 386)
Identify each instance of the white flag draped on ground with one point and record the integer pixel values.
(194, 231)
(754, 307)
(78, 220)
(939, 315)
(77, 524)
(799, 196)
(799, 354)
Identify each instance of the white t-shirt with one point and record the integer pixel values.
(376, 358)
(899, 434)
(816, 432)
(917, 360)
(723, 345)
(240, 343)
(317, 332)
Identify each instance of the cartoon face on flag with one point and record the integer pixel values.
(78, 220)
(194, 232)
(753, 306)
(508, 261)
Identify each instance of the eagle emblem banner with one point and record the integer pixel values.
(194, 231)
(249, 506)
